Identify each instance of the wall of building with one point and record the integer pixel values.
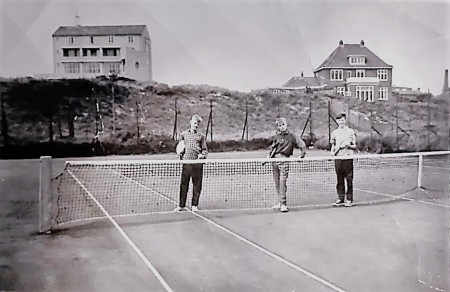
(137, 49)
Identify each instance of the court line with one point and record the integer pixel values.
(269, 253)
(252, 244)
(126, 237)
(392, 196)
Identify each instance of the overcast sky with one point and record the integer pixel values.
(241, 44)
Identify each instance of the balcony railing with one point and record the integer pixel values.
(365, 80)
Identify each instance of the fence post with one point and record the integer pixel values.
(329, 124)
(419, 174)
(310, 122)
(47, 203)
(137, 120)
(174, 133)
(245, 130)
(396, 122)
(428, 122)
(210, 121)
(211, 117)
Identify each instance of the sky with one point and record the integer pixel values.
(242, 44)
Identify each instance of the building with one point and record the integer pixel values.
(354, 70)
(299, 84)
(90, 51)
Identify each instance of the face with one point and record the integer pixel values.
(282, 126)
(194, 124)
(341, 122)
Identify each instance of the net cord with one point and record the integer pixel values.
(316, 158)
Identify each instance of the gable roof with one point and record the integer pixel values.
(305, 82)
(103, 30)
(339, 57)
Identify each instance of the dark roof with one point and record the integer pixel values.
(103, 30)
(339, 58)
(305, 82)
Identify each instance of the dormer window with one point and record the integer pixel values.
(357, 60)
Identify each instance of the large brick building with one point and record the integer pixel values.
(354, 70)
(90, 51)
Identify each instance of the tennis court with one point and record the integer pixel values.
(394, 239)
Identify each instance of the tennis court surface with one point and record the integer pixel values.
(123, 235)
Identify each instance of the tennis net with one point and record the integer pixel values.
(133, 187)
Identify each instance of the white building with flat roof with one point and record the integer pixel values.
(90, 51)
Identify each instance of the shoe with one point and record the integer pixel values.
(277, 206)
(348, 204)
(284, 208)
(338, 203)
(179, 209)
(194, 209)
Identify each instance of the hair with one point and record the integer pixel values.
(281, 121)
(341, 115)
(197, 118)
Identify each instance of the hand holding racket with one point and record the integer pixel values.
(346, 143)
(271, 154)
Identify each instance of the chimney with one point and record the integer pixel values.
(341, 43)
(445, 89)
(301, 75)
(362, 43)
(77, 20)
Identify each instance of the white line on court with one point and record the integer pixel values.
(391, 196)
(125, 236)
(252, 244)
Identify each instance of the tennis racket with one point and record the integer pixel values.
(271, 154)
(343, 145)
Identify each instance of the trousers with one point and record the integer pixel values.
(194, 171)
(280, 176)
(344, 172)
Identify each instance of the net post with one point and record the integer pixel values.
(419, 174)
(46, 196)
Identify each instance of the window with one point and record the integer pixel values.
(382, 74)
(111, 51)
(112, 67)
(340, 91)
(110, 39)
(361, 73)
(357, 60)
(136, 65)
(92, 39)
(71, 52)
(71, 68)
(349, 74)
(130, 38)
(336, 74)
(91, 68)
(383, 93)
(364, 93)
(90, 52)
(70, 40)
